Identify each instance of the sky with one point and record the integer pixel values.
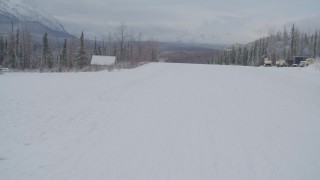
(195, 21)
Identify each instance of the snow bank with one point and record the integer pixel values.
(317, 64)
(161, 121)
(313, 67)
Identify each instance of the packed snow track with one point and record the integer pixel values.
(161, 122)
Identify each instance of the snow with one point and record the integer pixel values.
(161, 121)
(313, 67)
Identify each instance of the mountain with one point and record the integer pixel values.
(189, 52)
(178, 46)
(26, 13)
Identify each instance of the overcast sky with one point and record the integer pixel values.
(201, 21)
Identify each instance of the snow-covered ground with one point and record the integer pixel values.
(161, 122)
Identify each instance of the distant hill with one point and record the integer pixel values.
(189, 52)
(176, 46)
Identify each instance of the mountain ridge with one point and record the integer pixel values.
(19, 13)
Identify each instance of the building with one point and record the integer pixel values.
(103, 60)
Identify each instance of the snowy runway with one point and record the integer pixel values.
(161, 121)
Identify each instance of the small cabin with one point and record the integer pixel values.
(103, 60)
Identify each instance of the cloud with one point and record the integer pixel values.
(203, 21)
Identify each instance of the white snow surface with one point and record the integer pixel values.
(161, 122)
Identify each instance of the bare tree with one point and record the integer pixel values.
(72, 49)
(26, 48)
(122, 36)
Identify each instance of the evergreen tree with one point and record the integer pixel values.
(45, 46)
(60, 62)
(233, 55)
(245, 56)
(315, 45)
(293, 41)
(47, 59)
(95, 51)
(5, 49)
(99, 50)
(2, 53)
(260, 54)
(254, 53)
(18, 49)
(11, 51)
(81, 55)
(239, 55)
(306, 40)
(265, 46)
(63, 57)
(45, 52)
(285, 36)
(250, 56)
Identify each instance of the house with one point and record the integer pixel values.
(103, 60)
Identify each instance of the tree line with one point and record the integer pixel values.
(20, 51)
(279, 45)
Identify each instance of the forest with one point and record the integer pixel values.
(277, 45)
(20, 51)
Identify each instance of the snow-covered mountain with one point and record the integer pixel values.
(27, 12)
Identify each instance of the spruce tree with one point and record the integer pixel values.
(255, 53)
(250, 56)
(1, 51)
(45, 50)
(95, 51)
(11, 51)
(239, 56)
(233, 55)
(81, 55)
(245, 56)
(64, 54)
(18, 49)
(293, 41)
(60, 63)
(315, 45)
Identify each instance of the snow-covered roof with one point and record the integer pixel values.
(103, 60)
